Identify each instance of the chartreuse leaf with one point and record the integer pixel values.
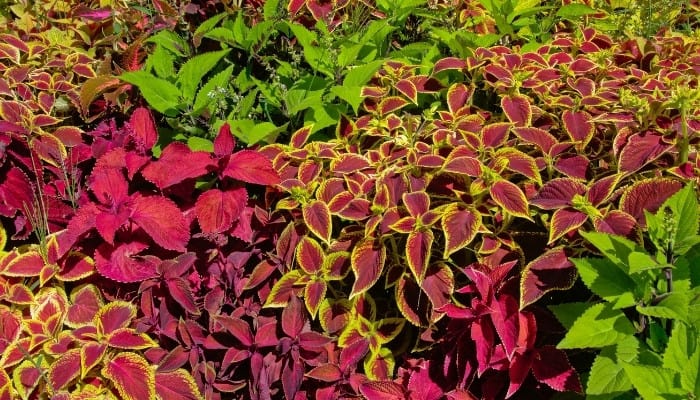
(210, 90)
(601, 325)
(568, 313)
(690, 375)
(653, 382)
(619, 249)
(607, 280)
(284, 288)
(608, 376)
(160, 94)
(3, 240)
(191, 73)
(573, 11)
(683, 343)
(673, 306)
(682, 219)
(162, 62)
(379, 365)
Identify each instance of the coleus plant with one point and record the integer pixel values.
(66, 345)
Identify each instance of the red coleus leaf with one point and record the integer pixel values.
(224, 143)
(317, 217)
(24, 265)
(367, 263)
(123, 264)
(463, 165)
(449, 63)
(251, 167)
(293, 6)
(418, 247)
(314, 293)
(550, 271)
(558, 193)
(551, 367)
(326, 373)
(131, 375)
(505, 318)
(617, 222)
(510, 198)
(460, 226)
(458, 95)
(91, 354)
(602, 189)
(579, 126)
(517, 371)
(382, 390)
(64, 370)
(216, 210)
(145, 132)
(75, 266)
(176, 385)
(649, 195)
(293, 317)
(162, 220)
(565, 220)
(10, 328)
(484, 337)
(539, 137)
(181, 292)
(309, 255)
(417, 203)
(411, 301)
(177, 163)
(517, 109)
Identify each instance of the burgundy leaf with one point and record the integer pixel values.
(578, 126)
(649, 195)
(640, 150)
(617, 222)
(326, 373)
(565, 220)
(367, 263)
(558, 193)
(510, 197)
(123, 264)
(550, 271)
(517, 109)
(418, 247)
(417, 203)
(382, 390)
(505, 318)
(317, 217)
(539, 137)
(293, 318)
(518, 371)
(251, 167)
(552, 367)
(484, 338)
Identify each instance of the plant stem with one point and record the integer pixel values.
(684, 143)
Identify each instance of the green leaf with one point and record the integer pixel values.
(599, 326)
(360, 75)
(271, 9)
(250, 133)
(684, 206)
(200, 144)
(574, 11)
(673, 306)
(350, 94)
(616, 248)
(683, 341)
(160, 94)
(209, 24)
(192, 72)
(162, 62)
(171, 41)
(207, 93)
(690, 375)
(654, 382)
(306, 92)
(607, 376)
(605, 279)
(569, 312)
(317, 57)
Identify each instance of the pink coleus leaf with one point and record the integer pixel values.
(517, 109)
(162, 220)
(367, 263)
(114, 316)
(317, 217)
(127, 338)
(417, 203)
(251, 167)
(177, 163)
(145, 132)
(552, 367)
(505, 318)
(602, 189)
(64, 369)
(518, 370)
(484, 338)
(131, 375)
(85, 302)
(550, 271)
(293, 317)
(181, 292)
(216, 210)
(314, 293)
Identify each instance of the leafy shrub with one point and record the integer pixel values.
(646, 320)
